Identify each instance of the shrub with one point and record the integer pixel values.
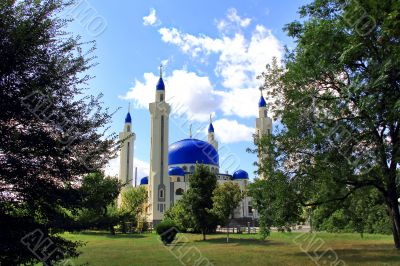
(167, 230)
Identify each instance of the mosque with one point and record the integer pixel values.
(172, 165)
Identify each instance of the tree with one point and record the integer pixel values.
(181, 215)
(275, 200)
(133, 204)
(99, 194)
(337, 94)
(199, 198)
(362, 212)
(51, 135)
(226, 199)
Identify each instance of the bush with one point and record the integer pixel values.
(142, 225)
(167, 230)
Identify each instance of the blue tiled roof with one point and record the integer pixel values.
(240, 174)
(176, 171)
(160, 85)
(144, 180)
(211, 128)
(191, 151)
(128, 118)
(261, 102)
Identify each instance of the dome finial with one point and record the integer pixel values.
(161, 70)
(210, 118)
(129, 107)
(190, 131)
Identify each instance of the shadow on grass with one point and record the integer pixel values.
(107, 234)
(379, 254)
(241, 241)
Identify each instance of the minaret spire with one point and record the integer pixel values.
(127, 139)
(211, 135)
(159, 182)
(190, 130)
(263, 127)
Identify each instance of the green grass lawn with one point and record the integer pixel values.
(278, 249)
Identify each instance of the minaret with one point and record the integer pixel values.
(127, 139)
(211, 136)
(159, 195)
(263, 126)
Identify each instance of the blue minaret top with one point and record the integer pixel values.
(128, 118)
(210, 127)
(261, 102)
(160, 85)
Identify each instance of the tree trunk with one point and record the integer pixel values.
(204, 235)
(396, 236)
(395, 217)
(393, 206)
(112, 230)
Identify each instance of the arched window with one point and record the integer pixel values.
(184, 168)
(192, 168)
(212, 169)
(161, 193)
(178, 179)
(179, 192)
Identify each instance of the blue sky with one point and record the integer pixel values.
(212, 51)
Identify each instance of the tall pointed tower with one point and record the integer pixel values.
(211, 136)
(263, 126)
(127, 139)
(159, 195)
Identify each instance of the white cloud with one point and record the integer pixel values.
(143, 168)
(240, 60)
(188, 93)
(240, 102)
(229, 131)
(151, 19)
(233, 21)
(112, 169)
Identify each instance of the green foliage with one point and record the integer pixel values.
(337, 94)
(167, 230)
(362, 212)
(142, 225)
(51, 136)
(133, 204)
(180, 214)
(199, 199)
(98, 210)
(99, 191)
(226, 199)
(276, 201)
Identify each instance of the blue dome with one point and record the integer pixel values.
(261, 102)
(210, 128)
(240, 174)
(160, 85)
(144, 180)
(191, 151)
(128, 118)
(176, 171)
